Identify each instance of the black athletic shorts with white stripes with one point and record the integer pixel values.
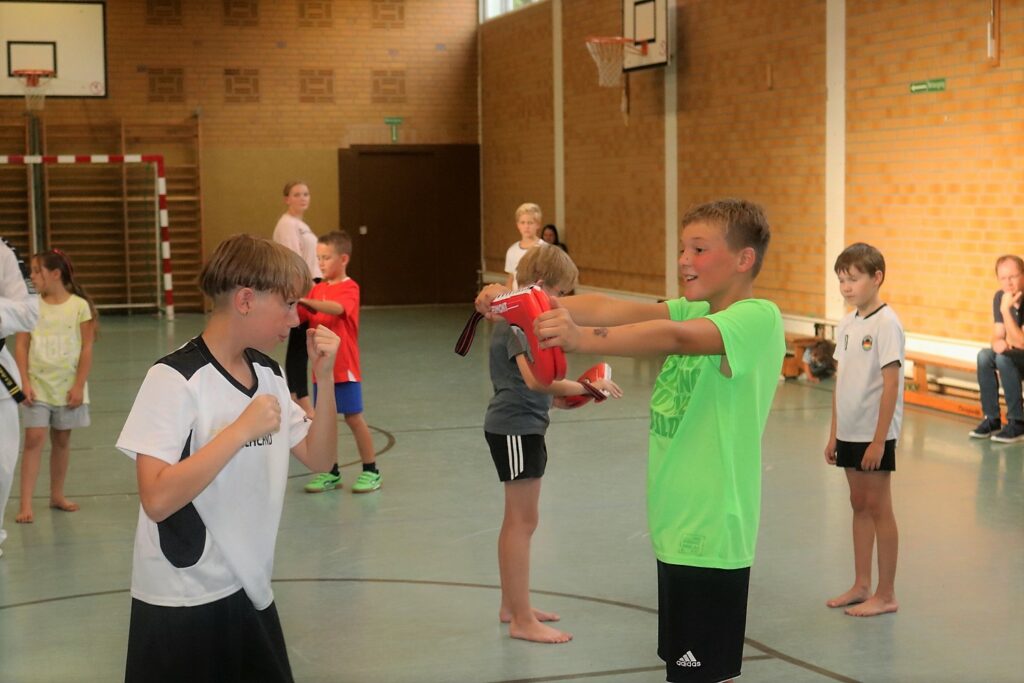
(518, 456)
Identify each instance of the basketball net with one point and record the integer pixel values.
(35, 83)
(608, 52)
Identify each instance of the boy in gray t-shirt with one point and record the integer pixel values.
(514, 427)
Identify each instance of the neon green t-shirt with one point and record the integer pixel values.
(704, 464)
(55, 349)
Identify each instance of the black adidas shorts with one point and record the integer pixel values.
(849, 454)
(523, 456)
(702, 619)
(224, 640)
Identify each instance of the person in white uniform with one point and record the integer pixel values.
(19, 311)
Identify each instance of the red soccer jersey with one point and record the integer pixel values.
(346, 325)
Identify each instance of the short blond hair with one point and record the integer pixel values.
(550, 264)
(257, 263)
(531, 209)
(744, 223)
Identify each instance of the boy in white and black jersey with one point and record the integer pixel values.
(211, 447)
(867, 411)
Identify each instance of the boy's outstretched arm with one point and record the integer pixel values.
(165, 488)
(891, 375)
(696, 337)
(319, 450)
(586, 309)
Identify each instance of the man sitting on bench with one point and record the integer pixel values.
(1006, 355)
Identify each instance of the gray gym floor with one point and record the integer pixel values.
(400, 586)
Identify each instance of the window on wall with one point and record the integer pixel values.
(493, 8)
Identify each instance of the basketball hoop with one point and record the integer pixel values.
(607, 52)
(35, 82)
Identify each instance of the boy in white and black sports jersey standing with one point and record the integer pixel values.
(211, 449)
(867, 410)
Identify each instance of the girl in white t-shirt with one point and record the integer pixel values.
(292, 232)
(528, 221)
(54, 362)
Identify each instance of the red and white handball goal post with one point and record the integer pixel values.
(164, 280)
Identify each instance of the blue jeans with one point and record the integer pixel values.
(1011, 367)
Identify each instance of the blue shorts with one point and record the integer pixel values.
(348, 396)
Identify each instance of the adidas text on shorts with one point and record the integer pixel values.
(702, 618)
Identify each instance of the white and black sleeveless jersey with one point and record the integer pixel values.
(224, 539)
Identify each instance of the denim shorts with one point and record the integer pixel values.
(41, 414)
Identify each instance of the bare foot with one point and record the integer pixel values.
(537, 632)
(64, 505)
(506, 617)
(850, 597)
(873, 606)
(24, 517)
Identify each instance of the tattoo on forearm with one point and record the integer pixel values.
(601, 331)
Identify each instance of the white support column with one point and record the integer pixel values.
(559, 117)
(671, 162)
(835, 150)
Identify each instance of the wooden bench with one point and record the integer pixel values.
(795, 347)
(918, 391)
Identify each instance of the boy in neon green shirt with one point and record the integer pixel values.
(709, 407)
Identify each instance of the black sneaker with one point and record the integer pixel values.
(1011, 433)
(986, 429)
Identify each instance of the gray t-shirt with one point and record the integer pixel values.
(514, 409)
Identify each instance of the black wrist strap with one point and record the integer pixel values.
(10, 386)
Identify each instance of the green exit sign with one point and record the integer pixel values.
(931, 85)
(394, 122)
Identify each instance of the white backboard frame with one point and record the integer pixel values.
(645, 22)
(66, 37)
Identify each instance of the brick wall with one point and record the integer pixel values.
(297, 73)
(752, 125)
(517, 124)
(274, 78)
(936, 180)
(614, 170)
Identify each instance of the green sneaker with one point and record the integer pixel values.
(325, 481)
(366, 482)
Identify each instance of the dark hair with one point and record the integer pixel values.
(822, 364)
(744, 222)
(55, 259)
(864, 257)
(1010, 257)
(338, 239)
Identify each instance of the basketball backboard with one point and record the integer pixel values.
(645, 22)
(68, 38)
